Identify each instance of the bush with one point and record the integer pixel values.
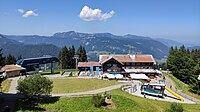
(34, 86)
(175, 107)
(98, 100)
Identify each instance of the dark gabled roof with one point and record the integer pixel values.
(110, 59)
(38, 60)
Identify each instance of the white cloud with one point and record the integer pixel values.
(29, 13)
(20, 10)
(89, 14)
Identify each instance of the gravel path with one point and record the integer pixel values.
(13, 85)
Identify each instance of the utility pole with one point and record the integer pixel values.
(76, 58)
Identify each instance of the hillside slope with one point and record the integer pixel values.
(16, 48)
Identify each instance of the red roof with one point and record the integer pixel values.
(144, 58)
(128, 58)
(88, 64)
(109, 59)
(120, 58)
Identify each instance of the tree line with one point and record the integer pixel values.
(10, 59)
(185, 65)
(67, 57)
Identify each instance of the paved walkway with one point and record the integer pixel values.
(86, 93)
(169, 83)
(137, 92)
(13, 85)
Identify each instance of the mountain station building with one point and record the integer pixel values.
(126, 64)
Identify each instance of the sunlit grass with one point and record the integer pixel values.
(124, 102)
(5, 86)
(71, 85)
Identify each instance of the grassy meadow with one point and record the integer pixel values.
(71, 85)
(124, 102)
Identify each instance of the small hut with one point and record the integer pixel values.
(12, 70)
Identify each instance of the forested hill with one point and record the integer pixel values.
(16, 48)
(98, 42)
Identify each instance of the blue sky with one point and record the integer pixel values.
(172, 19)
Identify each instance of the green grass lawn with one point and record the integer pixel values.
(5, 86)
(71, 85)
(124, 102)
(181, 86)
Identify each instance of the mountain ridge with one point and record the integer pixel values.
(96, 43)
(17, 49)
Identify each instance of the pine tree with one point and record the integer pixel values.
(81, 52)
(65, 58)
(60, 58)
(19, 57)
(10, 60)
(73, 62)
(71, 57)
(84, 54)
(2, 59)
(185, 65)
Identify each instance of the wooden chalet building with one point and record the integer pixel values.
(123, 64)
(126, 64)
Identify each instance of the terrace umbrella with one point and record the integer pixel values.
(118, 76)
(110, 76)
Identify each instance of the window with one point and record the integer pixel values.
(109, 70)
(109, 64)
(128, 63)
(114, 64)
(114, 70)
(138, 63)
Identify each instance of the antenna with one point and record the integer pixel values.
(76, 58)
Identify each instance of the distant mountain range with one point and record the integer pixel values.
(95, 44)
(25, 50)
(170, 43)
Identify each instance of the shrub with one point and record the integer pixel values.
(175, 107)
(98, 100)
(34, 86)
